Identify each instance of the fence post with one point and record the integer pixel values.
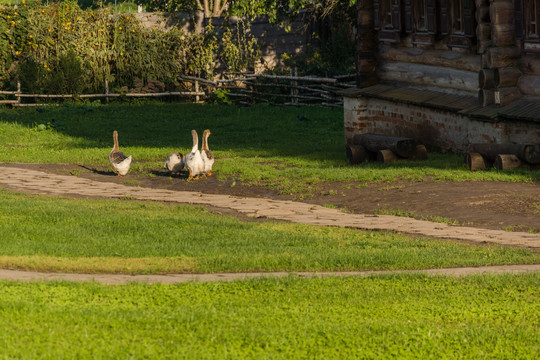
(294, 84)
(18, 93)
(107, 91)
(197, 97)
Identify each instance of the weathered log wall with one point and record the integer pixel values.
(431, 77)
(529, 82)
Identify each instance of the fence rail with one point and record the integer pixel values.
(246, 89)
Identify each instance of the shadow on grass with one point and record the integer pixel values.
(307, 133)
(263, 129)
(165, 173)
(99, 172)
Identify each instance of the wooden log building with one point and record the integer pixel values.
(448, 73)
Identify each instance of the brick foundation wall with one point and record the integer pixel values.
(442, 129)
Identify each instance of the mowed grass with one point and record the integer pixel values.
(382, 317)
(402, 316)
(52, 234)
(259, 145)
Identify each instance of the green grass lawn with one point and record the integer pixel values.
(260, 145)
(47, 233)
(406, 316)
(382, 317)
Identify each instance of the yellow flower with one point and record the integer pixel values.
(121, 54)
(50, 30)
(9, 16)
(30, 36)
(17, 52)
(119, 28)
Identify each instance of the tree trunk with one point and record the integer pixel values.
(475, 161)
(529, 85)
(486, 79)
(486, 97)
(506, 77)
(386, 156)
(356, 154)
(483, 31)
(428, 75)
(504, 96)
(402, 147)
(529, 153)
(503, 35)
(500, 57)
(420, 153)
(501, 12)
(507, 162)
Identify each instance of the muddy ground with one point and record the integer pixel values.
(492, 205)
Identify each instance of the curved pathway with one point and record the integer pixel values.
(37, 182)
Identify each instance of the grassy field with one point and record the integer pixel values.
(384, 317)
(409, 316)
(141, 237)
(260, 145)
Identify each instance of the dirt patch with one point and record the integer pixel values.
(491, 205)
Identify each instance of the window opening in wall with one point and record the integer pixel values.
(452, 22)
(532, 20)
(458, 18)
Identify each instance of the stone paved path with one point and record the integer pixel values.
(32, 181)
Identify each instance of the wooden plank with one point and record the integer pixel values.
(452, 102)
(523, 109)
(375, 90)
(486, 112)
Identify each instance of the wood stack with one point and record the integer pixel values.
(502, 156)
(384, 149)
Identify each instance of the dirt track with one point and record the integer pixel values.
(120, 279)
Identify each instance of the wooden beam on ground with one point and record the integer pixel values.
(403, 147)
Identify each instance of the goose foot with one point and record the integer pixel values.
(209, 173)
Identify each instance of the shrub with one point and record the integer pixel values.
(67, 75)
(77, 50)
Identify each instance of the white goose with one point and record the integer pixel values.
(119, 161)
(206, 154)
(174, 162)
(194, 161)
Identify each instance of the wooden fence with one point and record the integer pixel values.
(245, 89)
(278, 89)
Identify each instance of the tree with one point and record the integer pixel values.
(277, 10)
(212, 8)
